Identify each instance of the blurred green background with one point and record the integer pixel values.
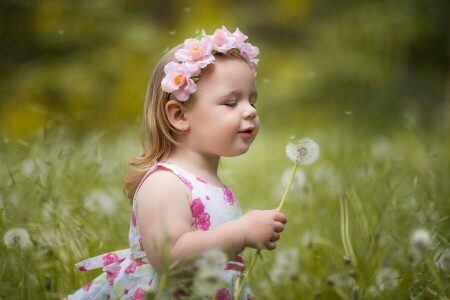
(368, 80)
(379, 65)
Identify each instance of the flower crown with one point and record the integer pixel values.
(199, 52)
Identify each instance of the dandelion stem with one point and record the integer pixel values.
(247, 272)
(258, 253)
(288, 186)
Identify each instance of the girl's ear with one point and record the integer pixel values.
(175, 111)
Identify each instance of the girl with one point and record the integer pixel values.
(200, 105)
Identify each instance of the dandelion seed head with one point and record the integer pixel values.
(207, 283)
(285, 266)
(213, 259)
(387, 279)
(17, 238)
(308, 239)
(305, 151)
(421, 239)
(298, 182)
(28, 167)
(442, 260)
(100, 202)
(339, 280)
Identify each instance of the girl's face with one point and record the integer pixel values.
(222, 115)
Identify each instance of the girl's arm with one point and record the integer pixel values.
(164, 215)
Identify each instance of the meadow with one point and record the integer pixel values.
(368, 220)
(367, 80)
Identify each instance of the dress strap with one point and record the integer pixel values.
(184, 176)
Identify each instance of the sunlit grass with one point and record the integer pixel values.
(350, 220)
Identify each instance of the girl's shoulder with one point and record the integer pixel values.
(161, 181)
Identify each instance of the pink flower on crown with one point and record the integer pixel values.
(178, 81)
(240, 37)
(223, 40)
(196, 54)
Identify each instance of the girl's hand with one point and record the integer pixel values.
(262, 228)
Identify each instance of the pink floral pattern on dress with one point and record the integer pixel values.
(87, 286)
(201, 180)
(201, 218)
(109, 259)
(186, 182)
(110, 277)
(139, 294)
(229, 197)
(132, 267)
(224, 294)
(133, 219)
(128, 273)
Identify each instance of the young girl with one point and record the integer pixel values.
(200, 105)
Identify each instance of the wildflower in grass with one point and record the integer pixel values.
(305, 151)
(387, 279)
(17, 238)
(210, 265)
(285, 266)
(339, 280)
(308, 239)
(28, 167)
(100, 202)
(207, 282)
(214, 259)
(442, 260)
(381, 148)
(421, 239)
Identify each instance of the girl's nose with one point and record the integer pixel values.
(249, 112)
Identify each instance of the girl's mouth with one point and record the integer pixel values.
(248, 133)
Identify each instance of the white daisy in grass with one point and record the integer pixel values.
(17, 238)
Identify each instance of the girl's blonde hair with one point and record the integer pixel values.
(157, 132)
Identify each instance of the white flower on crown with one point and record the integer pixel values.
(198, 53)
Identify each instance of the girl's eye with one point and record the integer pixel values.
(231, 103)
(253, 103)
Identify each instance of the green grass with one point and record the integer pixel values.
(363, 199)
